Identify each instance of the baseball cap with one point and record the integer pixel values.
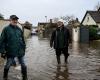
(14, 17)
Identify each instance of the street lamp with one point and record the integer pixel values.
(46, 18)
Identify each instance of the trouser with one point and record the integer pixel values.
(10, 61)
(62, 51)
(14, 63)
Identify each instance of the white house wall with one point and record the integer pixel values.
(3, 24)
(88, 20)
(98, 25)
(76, 34)
(27, 33)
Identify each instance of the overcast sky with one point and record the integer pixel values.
(35, 11)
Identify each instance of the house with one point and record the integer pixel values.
(92, 18)
(27, 29)
(74, 28)
(42, 25)
(45, 28)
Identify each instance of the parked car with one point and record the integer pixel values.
(34, 32)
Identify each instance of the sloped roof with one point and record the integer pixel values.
(42, 23)
(94, 14)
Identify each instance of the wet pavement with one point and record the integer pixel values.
(83, 62)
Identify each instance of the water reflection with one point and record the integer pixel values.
(95, 45)
(61, 73)
(80, 49)
(75, 48)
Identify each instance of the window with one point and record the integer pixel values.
(87, 19)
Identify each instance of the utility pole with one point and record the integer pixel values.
(46, 18)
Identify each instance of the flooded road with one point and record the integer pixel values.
(83, 62)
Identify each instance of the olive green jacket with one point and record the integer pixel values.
(12, 41)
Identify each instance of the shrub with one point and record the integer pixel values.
(93, 32)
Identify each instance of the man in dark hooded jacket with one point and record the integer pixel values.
(60, 40)
(12, 45)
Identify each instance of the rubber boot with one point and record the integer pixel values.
(24, 73)
(58, 60)
(5, 75)
(66, 58)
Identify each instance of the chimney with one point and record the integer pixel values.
(77, 20)
(50, 20)
(99, 9)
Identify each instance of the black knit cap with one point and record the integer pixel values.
(14, 17)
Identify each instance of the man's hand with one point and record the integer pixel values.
(3, 55)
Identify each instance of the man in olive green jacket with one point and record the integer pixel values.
(12, 45)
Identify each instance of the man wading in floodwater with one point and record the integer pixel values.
(60, 40)
(12, 45)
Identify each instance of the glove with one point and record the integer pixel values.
(3, 55)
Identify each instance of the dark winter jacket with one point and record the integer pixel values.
(12, 41)
(55, 38)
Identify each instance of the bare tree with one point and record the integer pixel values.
(97, 6)
(68, 18)
(55, 20)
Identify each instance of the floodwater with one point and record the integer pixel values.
(83, 62)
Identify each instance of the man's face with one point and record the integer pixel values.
(14, 22)
(59, 24)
